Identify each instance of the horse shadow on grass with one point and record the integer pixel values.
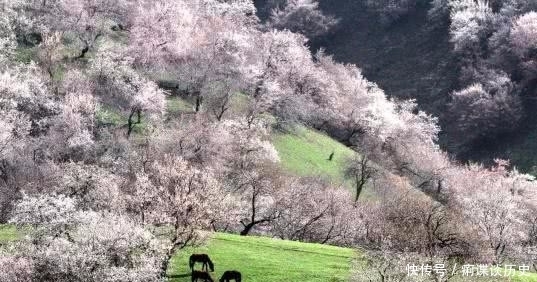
(174, 276)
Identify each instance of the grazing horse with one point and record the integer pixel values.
(231, 275)
(202, 275)
(203, 258)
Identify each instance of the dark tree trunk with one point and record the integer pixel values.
(83, 52)
(247, 229)
(131, 122)
(359, 187)
(199, 102)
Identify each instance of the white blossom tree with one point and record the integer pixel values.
(302, 16)
(118, 84)
(86, 21)
(68, 244)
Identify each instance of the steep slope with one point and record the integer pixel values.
(307, 152)
(412, 59)
(408, 59)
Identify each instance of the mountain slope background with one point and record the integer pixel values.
(412, 58)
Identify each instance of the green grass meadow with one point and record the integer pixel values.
(8, 233)
(305, 152)
(262, 259)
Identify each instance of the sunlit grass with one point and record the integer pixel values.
(306, 152)
(107, 115)
(262, 259)
(176, 105)
(8, 233)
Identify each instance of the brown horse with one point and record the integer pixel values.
(231, 275)
(202, 275)
(204, 259)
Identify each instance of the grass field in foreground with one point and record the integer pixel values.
(262, 259)
(271, 260)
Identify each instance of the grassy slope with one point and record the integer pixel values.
(176, 105)
(262, 259)
(305, 152)
(8, 233)
(265, 259)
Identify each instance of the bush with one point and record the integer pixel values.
(15, 269)
(303, 16)
(392, 10)
(481, 112)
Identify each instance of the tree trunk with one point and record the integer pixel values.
(199, 102)
(359, 186)
(166, 263)
(83, 52)
(247, 229)
(131, 123)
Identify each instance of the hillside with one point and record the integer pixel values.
(306, 152)
(262, 259)
(302, 151)
(409, 59)
(412, 59)
(137, 132)
(8, 233)
(281, 260)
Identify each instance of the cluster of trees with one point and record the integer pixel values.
(302, 16)
(105, 201)
(493, 44)
(390, 11)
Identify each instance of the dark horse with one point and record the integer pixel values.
(204, 259)
(202, 275)
(231, 275)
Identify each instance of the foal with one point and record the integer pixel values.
(231, 275)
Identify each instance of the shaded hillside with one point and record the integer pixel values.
(408, 59)
(412, 59)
